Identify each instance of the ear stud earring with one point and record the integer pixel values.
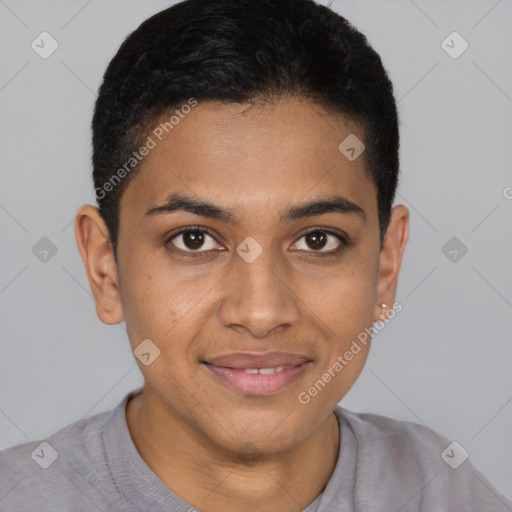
(383, 314)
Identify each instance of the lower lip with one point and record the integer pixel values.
(256, 383)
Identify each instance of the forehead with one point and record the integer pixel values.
(252, 159)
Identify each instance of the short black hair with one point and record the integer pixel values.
(239, 51)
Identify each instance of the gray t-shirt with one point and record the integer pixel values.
(383, 465)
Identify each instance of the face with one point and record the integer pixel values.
(256, 280)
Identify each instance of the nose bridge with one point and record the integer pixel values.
(258, 269)
(259, 297)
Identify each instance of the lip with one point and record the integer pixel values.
(242, 360)
(230, 370)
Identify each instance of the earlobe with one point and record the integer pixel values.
(96, 251)
(390, 258)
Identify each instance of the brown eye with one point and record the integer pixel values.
(315, 240)
(191, 240)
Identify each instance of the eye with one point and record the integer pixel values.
(318, 239)
(191, 239)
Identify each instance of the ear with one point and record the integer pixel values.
(96, 250)
(390, 259)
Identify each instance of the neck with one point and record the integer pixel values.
(213, 480)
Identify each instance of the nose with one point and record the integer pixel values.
(259, 295)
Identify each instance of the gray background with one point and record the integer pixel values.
(444, 361)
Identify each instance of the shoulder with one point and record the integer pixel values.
(56, 473)
(407, 462)
(390, 434)
(392, 450)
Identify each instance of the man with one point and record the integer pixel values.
(245, 163)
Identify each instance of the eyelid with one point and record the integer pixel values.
(331, 231)
(342, 237)
(187, 229)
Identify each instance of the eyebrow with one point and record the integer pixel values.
(333, 204)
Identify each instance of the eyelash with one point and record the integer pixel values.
(345, 241)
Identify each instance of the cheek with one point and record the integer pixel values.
(343, 306)
(150, 307)
(345, 300)
(164, 309)
(155, 311)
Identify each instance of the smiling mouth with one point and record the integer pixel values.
(267, 371)
(258, 381)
